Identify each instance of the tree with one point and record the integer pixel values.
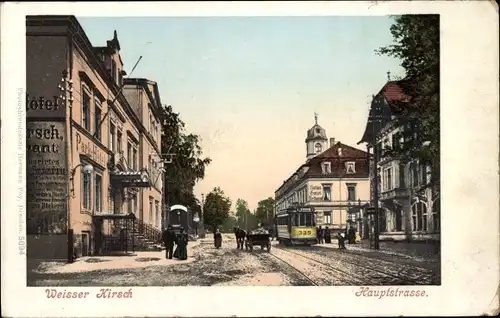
(246, 219)
(265, 211)
(187, 166)
(216, 208)
(229, 224)
(416, 44)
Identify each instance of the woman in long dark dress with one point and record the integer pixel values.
(217, 239)
(182, 242)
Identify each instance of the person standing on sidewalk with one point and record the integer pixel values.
(168, 240)
(182, 242)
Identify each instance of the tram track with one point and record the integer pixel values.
(309, 279)
(361, 280)
(403, 271)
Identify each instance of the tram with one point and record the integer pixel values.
(296, 226)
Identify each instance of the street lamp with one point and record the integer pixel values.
(87, 169)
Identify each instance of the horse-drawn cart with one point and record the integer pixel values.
(256, 239)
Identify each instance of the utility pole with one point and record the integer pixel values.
(375, 193)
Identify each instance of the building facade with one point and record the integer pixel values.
(409, 206)
(334, 180)
(85, 143)
(144, 97)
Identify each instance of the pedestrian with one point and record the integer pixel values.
(217, 239)
(168, 238)
(182, 242)
(341, 239)
(321, 235)
(351, 234)
(328, 236)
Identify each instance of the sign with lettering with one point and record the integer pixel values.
(315, 193)
(46, 60)
(85, 146)
(47, 178)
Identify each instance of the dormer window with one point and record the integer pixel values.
(318, 147)
(318, 131)
(326, 167)
(350, 167)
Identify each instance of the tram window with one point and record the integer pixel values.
(308, 219)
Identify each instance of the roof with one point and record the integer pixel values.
(338, 168)
(391, 100)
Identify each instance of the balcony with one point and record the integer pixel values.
(396, 193)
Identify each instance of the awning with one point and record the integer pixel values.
(115, 216)
(132, 179)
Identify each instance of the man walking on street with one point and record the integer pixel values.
(168, 240)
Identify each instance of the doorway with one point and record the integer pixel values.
(85, 243)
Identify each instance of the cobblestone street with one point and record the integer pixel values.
(206, 266)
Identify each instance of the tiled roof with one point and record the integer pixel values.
(391, 100)
(338, 167)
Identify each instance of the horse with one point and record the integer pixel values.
(240, 237)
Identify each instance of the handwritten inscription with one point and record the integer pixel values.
(46, 179)
(86, 147)
(390, 292)
(103, 293)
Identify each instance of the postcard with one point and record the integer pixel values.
(250, 159)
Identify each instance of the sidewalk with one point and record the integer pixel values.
(133, 260)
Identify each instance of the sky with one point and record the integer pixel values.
(249, 86)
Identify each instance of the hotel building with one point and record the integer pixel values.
(93, 145)
(334, 180)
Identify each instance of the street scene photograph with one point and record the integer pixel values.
(233, 151)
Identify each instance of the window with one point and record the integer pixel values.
(351, 192)
(396, 141)
(129, 154)
(318, 131)
(98, 193)
(318, 147)
(157, 210)
(326, 167)
(86, 110)
(387, 174)
(419, 216)
(414, 174)
(97, 118)
(132, 203)
(350, 167)
(119, 141)
(327, 192)
(135, 158)
(436, 206)
(150, 211)
(327, 217)
(112, 132)
(86, 188)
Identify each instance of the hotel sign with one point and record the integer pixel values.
(315, 193)
(85, 146)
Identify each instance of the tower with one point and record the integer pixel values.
(316, 141)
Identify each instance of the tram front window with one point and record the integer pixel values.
(303, 219)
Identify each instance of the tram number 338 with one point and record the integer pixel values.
(304, 232)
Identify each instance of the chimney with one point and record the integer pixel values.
(332, 142)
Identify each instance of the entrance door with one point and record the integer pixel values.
(85, 243)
